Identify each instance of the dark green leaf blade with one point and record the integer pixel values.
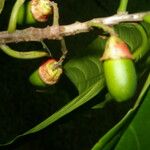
(113, 141)
(2, 2)
(147, 28)
(90, 89)
(137, 136)
(83, 72)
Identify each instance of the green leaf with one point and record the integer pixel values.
(137, 135)
(105, 140)
(108, 98)
(113, 141)
(97, 46)
(22, 54)
(147, 28)
(123, 123)
(144, 47)
(83, 72)
(13, 17)
(86, 74)
(2, 2)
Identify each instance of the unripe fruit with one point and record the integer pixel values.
(41, 9)
(119, 70)
(121, 78)
(46, 74)
(146, 18)
(25, 15)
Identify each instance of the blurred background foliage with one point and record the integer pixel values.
(22, 106)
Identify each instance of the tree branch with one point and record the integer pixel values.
(57, 32)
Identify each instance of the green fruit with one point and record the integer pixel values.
(29, 17)
(36, 80)
(147, 18)
(25, 15)
(46, 74)
(121, 78)
(41, 9)
(119, 69)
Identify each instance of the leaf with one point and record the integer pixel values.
(137, 135)
(113, 141)
(22, 54)
(105, 140)
(147, 28)
(2, 2)
(97, 46)
(108, 98)
(86, 74)
(83, 72)
(14, 14)
(144, 47)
